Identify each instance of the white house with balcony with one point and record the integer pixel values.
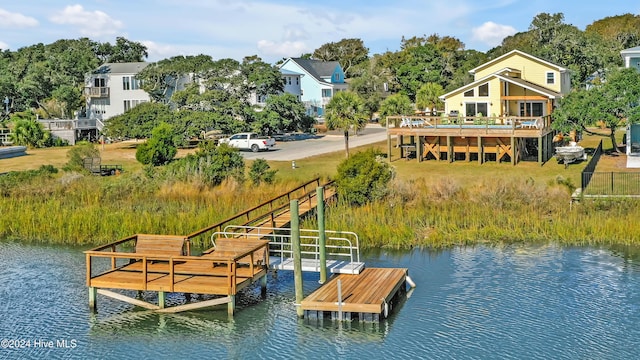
(112, 89)
(320, 80)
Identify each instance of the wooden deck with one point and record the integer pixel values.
(505, 138)
(222, 272)
(368, 295)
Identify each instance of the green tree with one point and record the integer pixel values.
(262, 79)
(348, 52)
(345, 112)
(422, 64)
(160, 148)
(138, 122)
(282, 113)
(428, 96)
(363, 178)
(613, 103)
(398, 104)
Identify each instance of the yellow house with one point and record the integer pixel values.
(514, 84)
(503, 115)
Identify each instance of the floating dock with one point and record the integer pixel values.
(368, 296)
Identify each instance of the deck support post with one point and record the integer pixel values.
(449, 149)
(297, 256)
(231, 305)
(419, 149)
(93, 292)
(162, 299)
(480, 150)
(540, 146)
(388, 146)
(322, 240)
(514, 151)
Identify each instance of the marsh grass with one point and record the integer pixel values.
(431, 204)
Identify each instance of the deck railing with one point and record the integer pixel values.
(513, 123)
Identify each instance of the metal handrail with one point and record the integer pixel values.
(280, 243)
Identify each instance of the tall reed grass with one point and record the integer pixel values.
(88, 210)
(446, 214)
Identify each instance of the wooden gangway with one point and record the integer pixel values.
(273, 213)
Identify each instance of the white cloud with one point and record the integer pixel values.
(3, 45)
(91, 23)
(491, 33)
(15, 20)
(283, 49)
(160, 51)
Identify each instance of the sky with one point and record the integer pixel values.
(276, 29)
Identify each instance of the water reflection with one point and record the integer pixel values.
(504, 301)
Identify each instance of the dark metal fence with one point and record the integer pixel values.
(589, 170)
(613, 183)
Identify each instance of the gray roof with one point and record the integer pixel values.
(121, 68)
(317, 68)
(631, 50)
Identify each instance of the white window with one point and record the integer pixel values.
(126, 85)
(127, 105)
(551, 78)
(326, 93)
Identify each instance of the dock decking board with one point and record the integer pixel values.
(363, 293)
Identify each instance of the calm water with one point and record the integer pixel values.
(519, 302)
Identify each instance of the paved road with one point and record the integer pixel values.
(300, 149)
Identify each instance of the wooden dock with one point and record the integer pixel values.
(223, 271)
(368, 296)
(240, 258)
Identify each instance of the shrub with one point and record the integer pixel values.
(78, 153)
(160, 148)
(210, 165)
(363, 178)
(260, 172)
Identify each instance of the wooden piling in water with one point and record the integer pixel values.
(322, 236)
(297, 256)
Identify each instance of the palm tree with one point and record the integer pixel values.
(396, 104)
(345, 111)
(28, 131)
(428, 96)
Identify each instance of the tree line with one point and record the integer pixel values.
(48, 79)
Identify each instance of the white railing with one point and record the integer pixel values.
(339, 244)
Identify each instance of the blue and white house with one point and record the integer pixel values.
(320, 81)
